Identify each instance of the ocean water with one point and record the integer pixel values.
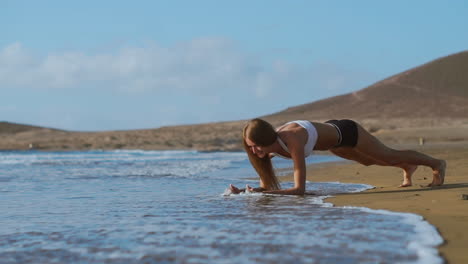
(172, 207)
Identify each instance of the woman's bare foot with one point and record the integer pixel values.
(408, 171)
(438, 174)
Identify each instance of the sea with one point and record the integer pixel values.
(134, 206)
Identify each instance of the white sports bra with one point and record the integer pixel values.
(311, 140)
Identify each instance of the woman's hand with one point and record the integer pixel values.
(234, 189)
(247, 189)
(251, 189)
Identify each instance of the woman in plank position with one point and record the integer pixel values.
(345, 138)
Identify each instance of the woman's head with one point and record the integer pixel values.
(260, 132)
(258, 135)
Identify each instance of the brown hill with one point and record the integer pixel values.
(429, 101)
(434, 91)
(13, 128)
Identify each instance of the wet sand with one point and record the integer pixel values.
(441, 206)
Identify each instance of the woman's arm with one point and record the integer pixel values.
(299, 182)
(296, 148)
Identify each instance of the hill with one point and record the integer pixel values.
(13, 128)
(435, 91)
(429, 101)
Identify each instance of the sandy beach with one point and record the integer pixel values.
(442, 206)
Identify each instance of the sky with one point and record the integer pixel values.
(119, 65)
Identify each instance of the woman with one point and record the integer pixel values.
(345, 138)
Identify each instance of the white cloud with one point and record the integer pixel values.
(201, 66)
(215, 78)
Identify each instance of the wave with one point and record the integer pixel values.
(420, 237)
(120, 163)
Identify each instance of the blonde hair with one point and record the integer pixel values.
(262, 134)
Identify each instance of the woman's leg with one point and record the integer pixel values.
(351, 154)
(408, 160)
(370, 151)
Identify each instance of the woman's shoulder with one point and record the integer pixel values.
(288, 124)
(291, 125)
(291, 131)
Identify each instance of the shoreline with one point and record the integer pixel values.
(442, 207)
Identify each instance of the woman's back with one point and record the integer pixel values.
(327, 136)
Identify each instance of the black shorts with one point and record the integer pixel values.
(347, 131)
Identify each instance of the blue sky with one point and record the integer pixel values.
(111, 65)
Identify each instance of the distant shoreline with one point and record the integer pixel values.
(203, 138)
